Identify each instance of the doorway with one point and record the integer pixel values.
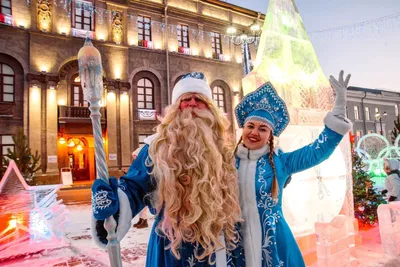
(78, 159)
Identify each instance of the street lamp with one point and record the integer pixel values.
(378, 116)
(244, 40)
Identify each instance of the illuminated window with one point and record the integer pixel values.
(5, 7)
(145, 93)
(216, 43)
(78, 98)
(7, 83)
(183, 36)
(144, 28)
(356, 114)
(83, 17)
(6, 142)
(219, 98)
(367, 114)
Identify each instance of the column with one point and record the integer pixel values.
(112, 127)
(34, 115)
(125, 133)
(52, 128)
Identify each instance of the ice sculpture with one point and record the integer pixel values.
(335, 240)
(373, 148)
(389, 227)
(28, 215)
(287, 58)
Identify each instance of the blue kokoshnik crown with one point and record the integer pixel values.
(264, 105)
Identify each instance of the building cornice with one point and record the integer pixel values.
(42, 78)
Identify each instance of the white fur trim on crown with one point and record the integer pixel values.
(190, 85)
(124, 220)
(341, 126)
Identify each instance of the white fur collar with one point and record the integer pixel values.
(148, 140)
(245, 153)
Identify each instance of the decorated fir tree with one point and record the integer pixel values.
(396, 129)
(366, 197)
(27, 163)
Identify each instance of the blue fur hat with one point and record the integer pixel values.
(266, 106)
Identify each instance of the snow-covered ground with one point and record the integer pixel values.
(80, 251)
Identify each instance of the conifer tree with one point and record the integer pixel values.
(366, 197)
(27, 163)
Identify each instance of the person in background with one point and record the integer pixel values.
(392, 182)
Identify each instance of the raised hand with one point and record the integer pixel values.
(340, 87)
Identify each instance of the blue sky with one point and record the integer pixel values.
(371, 56)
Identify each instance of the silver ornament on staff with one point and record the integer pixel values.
(91, 75)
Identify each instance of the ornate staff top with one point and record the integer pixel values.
(91, 71)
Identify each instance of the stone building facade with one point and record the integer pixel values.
(146, 46)
(372, 111)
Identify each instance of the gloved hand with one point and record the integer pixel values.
(384, 192)
(104, 198)
(392, 198)
(340, 87)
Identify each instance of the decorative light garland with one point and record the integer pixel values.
(376, 24)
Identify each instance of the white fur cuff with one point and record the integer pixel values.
(341, 126)
(125, 215)
(124, 220)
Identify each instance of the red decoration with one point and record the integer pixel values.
(352, 137)
(2, 18)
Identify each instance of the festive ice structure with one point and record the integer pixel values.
(389, 227)
(287, 58)
(373, 148)
(335, 240)
(28, 215)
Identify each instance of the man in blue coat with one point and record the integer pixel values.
(186, 175)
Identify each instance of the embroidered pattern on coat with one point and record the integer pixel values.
(100, 201)
(269, 218)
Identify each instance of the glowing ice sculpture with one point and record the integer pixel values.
(29, 215)
(374, 148)
(287, 58)
(389, 227)
(306, 198)
(335, 240)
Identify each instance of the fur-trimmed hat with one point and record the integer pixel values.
(194, 82)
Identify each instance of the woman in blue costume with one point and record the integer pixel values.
(186, 175)
(263, 171)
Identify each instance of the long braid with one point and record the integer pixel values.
(275, 186)
(238, 143)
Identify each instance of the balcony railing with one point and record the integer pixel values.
(77, 113)
(147, 114)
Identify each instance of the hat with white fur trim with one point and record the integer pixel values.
(194, 82)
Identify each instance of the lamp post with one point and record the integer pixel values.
(244, 40)
(378, 116)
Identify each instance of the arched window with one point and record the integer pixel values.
(7, 83)
(219, 97)
(145, 94)
(78, 99)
